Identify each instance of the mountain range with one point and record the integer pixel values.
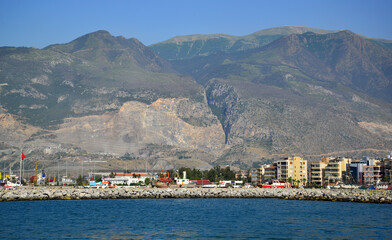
(198, 100)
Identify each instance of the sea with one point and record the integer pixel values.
(194, 219)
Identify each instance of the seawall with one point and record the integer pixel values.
(68, 193)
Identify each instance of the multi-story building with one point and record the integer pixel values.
(336, 170)
(388, 168)
(329, 169)
(270, 173)
(317, 171)
(356, 171)
(254, 173)
(373, 172)
(266, 172)
(292, 168)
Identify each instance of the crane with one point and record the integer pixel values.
(164, 173)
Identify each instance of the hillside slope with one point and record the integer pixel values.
(221, 100)
(183, 47)
(92, 74)
(303, 93)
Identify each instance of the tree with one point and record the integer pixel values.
(290, 180)
(112, 174)
(211, 175)
(79, 181)
(248, 176)
(147, 181)
(196, 174)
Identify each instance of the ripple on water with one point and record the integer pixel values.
(194, 218)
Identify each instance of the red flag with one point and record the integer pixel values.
(23, 156)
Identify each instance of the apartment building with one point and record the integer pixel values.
(356, 171)
(270, 173)
(373, 172)
(317, 171)
(292, 168)
(255, 176)
(329, 170)
(388, 168)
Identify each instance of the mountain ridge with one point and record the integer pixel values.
(188, 46)
(306, 93)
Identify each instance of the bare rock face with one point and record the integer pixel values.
(137, 124)
(13, 132)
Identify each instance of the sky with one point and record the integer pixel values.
(40, 23)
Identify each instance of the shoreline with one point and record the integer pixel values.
(69, 193)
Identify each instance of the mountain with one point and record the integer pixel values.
(341, 58)
(92, 74)
(71, 98)
(303, 93)
(189, 46)
(218, 100)
(184, 47)
(105, 50)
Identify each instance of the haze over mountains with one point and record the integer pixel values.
(199, 100)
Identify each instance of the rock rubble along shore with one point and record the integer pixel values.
(68, 193)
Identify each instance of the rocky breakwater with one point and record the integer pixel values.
(64, 193)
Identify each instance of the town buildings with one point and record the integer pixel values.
(317, 171)
(293, 169)
(329, 170)
(356, 171)
(388, 168)
(373, 173)
(336, 170)
(128, 178)
(270, 173)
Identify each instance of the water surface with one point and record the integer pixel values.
(194, 218)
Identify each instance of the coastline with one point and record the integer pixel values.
(70, 193)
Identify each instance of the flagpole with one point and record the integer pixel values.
(20, 174)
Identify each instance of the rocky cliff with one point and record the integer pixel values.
(137, 124)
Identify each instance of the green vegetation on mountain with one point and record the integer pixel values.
(302, 93)
(220, 99)
(90, 75)
(190, 46)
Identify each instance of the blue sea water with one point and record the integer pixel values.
(195, 219)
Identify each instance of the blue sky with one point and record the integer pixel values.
(43, 22)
